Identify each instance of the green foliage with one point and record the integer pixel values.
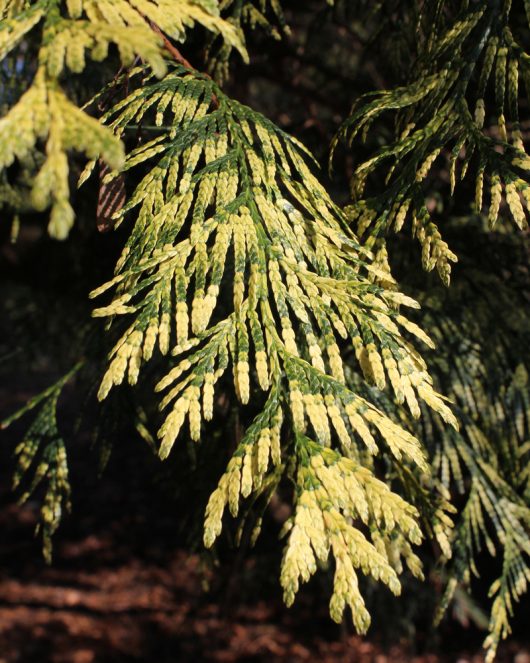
(227, 189)
(481, 322)
(240, 281)
(265, 14)
(487, 462)
(41, 459)
(45, 114)
(444, 112)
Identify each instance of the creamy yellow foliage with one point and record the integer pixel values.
(258, 259)
(331, 488)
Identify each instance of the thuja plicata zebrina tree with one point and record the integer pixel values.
(241, 286)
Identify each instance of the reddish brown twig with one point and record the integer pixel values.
(170, 48)
(177, 55)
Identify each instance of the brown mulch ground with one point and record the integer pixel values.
(122, 588)
(103, 602)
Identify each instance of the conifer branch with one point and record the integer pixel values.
(241, 284)
(234, 247)
(440, 114)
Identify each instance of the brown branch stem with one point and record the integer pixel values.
(170, 48)
(177, 55)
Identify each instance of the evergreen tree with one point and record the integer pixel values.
(250, 318)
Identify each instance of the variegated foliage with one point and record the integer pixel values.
(65, 33)
(481, 323)
(239, 263)
(458, 112)
(241, 279)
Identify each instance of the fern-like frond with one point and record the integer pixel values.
(44, 113)
(443, 121)
(238, 260)
(76, 25)
(481, 323)
(16, 23)
(172, 17)
(331, 491)
(41, 460)
(247, 15)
